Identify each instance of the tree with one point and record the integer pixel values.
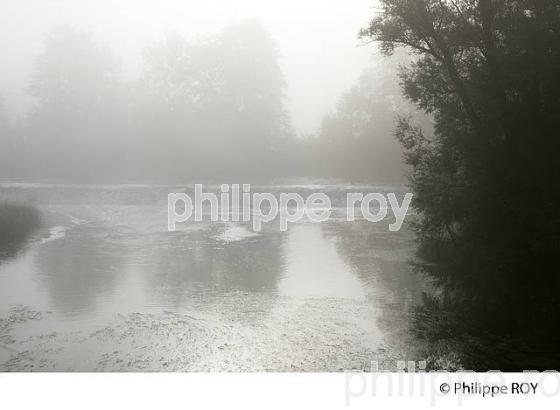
(6, 144)
(216, 101)
(252, 98)
(356, 142)
(77, 123)
(487, 184)
(12, 158)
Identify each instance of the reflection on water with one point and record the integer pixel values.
(78, 267)
(106, 251)
(314, 268)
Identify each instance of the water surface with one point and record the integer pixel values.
(105, 286)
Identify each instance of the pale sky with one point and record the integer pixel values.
(321, 55)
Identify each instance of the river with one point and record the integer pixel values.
(103, 286)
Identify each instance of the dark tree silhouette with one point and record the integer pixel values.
(487, 184)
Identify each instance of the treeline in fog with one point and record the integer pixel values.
(212, 108)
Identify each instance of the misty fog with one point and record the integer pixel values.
(125, 91)
(429, 123)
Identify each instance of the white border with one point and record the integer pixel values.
(256, 391)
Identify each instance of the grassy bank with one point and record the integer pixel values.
(17, 222)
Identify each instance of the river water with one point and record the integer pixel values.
(103, 286)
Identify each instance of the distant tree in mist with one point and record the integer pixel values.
(214, 107)
(12, 146)
(487, 184)
(6, 144)
(253, 93)
(356, 141)
(77, 123)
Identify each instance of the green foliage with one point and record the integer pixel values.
(487, 185)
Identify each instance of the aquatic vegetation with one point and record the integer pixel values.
(17, 222)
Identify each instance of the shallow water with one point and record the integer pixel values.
(104, 286)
